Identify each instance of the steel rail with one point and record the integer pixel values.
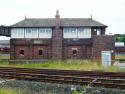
(101, 79)
(66, 72)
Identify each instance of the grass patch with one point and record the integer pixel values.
(4, 56)
(8, 91)
(66, 65)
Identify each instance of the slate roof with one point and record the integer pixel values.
(50, 22)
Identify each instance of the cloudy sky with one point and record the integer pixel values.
(109, 12)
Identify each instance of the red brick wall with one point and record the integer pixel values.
(57, 43)
(30, 47)
(26, 52)
(84, 52)
(89, 52)
(32, 53)
(95, 32)
(69, 53)
(102, 43)
(46, 52)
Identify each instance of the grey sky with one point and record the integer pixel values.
(109, 12)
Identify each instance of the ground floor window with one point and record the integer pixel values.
(74, 51)
(40, 52)
(21, 52)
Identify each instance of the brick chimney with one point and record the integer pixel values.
(57, 38)
(57, 19)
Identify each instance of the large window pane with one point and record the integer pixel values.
(65, 32)
(70, 33)
(17, 33)
(84, 33)
(87, 33)
(81, 32)
(45, 33)
(98, 31)
(77, 33)
(31, 33)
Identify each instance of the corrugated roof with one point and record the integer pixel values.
(50, 22)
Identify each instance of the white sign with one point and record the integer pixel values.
(106, 58)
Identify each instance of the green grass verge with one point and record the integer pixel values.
(66, 65)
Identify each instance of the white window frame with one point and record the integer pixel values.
(44, 33)
(86, 33)
(98, 31)
(17, 33)
(33, 34)
(72, 32)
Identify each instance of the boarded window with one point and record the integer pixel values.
(22, 52)
(40, 52)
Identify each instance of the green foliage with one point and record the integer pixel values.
(67, 65)
(120, 37)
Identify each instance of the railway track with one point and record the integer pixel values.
(94, 78)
